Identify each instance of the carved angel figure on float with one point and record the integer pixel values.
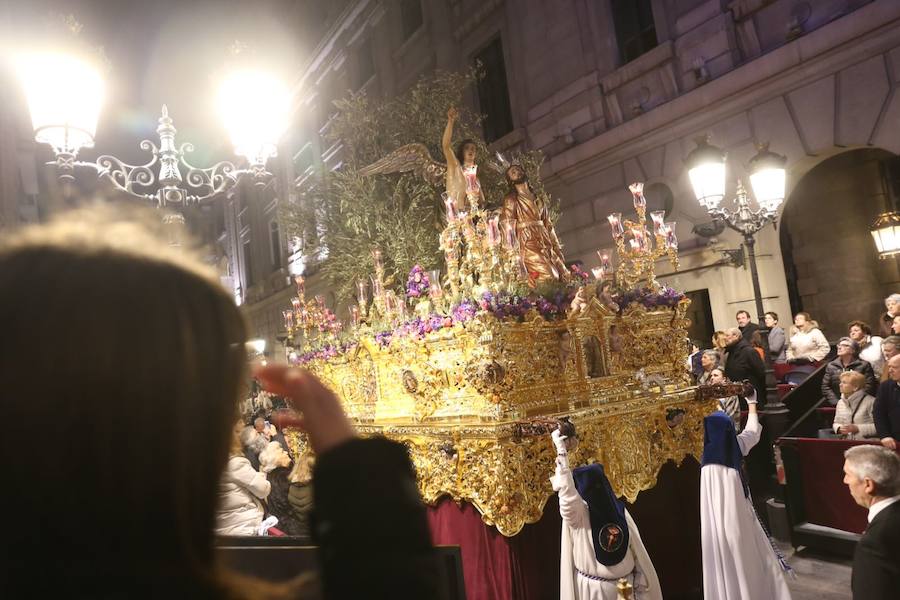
(460, 173)
(527, 235)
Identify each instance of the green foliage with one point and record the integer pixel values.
(345, 216)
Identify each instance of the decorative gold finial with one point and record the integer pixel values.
(625, 590)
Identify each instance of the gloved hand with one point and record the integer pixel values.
(559, 440)
(751, 398)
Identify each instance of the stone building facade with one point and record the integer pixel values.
(614, 91)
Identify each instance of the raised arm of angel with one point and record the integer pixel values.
(449, 155)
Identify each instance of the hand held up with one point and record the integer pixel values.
(321, 414)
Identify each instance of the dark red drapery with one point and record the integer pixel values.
(526, 566)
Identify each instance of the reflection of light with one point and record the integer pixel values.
(64, 97)
(258, 345)
(254, 106)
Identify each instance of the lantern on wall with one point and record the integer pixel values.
(886, 233)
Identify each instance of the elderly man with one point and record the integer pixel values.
(890, 347)
(887, 406)
(847, 360)
(873, 476)
(743, 362)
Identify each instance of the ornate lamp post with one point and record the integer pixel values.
(65, 95)
(706, 169)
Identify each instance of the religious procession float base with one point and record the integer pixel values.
(474, 402)
(507, 342)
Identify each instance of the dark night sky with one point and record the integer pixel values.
(169, 51)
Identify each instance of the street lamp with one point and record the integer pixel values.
(706, 170)
(64, 97)
(886, 233)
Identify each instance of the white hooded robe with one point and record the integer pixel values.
(577, 552)
(738, 560)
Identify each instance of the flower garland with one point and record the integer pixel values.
(665, 297)
(418, 283)
(552, 305)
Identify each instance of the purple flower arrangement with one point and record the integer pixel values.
(666, 297)
(417, 284)
(324, 353)
(504, 305)
(551, 305)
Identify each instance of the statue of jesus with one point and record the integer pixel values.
(538, 245)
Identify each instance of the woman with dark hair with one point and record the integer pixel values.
(869, 345)
(777, 341)
(130, 357)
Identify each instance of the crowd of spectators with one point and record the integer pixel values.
(858, 381)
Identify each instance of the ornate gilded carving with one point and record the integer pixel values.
(461, 399)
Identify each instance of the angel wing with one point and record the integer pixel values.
(411, 157)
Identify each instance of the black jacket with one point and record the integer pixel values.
(747, 331)
(371, 524)
(886, 411)
(876, 562)
(832, 378)
(743, 362)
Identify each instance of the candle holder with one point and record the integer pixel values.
(639, 249)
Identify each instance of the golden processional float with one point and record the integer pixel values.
(473, 371)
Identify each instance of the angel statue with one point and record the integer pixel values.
(460, 173)
(524, 214)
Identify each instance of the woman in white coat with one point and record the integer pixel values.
(241, 492)
(600, 542)
(739, 560)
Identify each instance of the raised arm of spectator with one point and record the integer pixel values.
(368, 521)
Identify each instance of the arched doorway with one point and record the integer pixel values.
(832, 269)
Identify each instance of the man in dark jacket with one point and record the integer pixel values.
(886, 411)
(745, 325)
(873, 476)
(847, 360)
(743, 362)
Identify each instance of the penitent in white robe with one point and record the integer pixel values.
(738, 560)
(577, 552)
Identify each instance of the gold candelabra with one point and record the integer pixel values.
(311, 318)
(479, 258)
(639, 249)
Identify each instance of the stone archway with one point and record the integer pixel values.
(831, 266)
